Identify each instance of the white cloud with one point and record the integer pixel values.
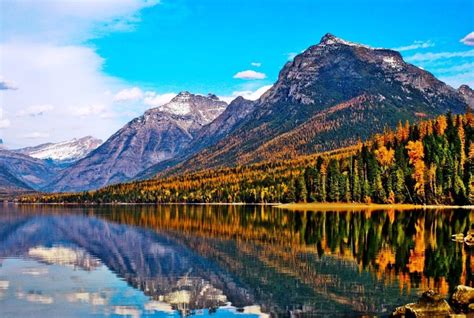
(58, 21)
(429, 56)
(128, 94)
(48, 58)
(415, 45)
(247, 94)
(256, 64)
(35, 110)
(36, 135)
(63, 76)
(250, 75)
(468, 39)
(153, 99)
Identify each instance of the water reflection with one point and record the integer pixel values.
(240, 260)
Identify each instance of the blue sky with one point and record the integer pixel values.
(87, 67)
(200, 45)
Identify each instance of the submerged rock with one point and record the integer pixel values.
(431, 304)
(462, 299)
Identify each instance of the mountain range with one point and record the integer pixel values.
(331, 95)
(63, 153)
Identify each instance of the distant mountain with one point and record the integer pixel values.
(159, 134)
(63, 152)
(221, 127)
(18, 171)
(468, 94)
(329, 96)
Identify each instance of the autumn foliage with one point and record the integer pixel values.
(431, 162)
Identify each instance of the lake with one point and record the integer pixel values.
(245, 261)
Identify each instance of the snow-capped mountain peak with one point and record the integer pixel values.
(65, 151)
(179, 105)
(207, 108)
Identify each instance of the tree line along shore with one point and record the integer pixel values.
(427, 163)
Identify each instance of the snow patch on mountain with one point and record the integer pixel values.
(66, 151)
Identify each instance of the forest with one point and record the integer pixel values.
(430, 162)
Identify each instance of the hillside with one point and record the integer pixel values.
(159, 134)
(24, 172)
(329, 96)
(429, 162)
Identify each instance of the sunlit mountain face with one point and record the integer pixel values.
(225, 260)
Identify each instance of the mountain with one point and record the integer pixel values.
(159, 134)
(468, 94)
(63, 152)
(18, 171)
(329, 96)
(215, 131)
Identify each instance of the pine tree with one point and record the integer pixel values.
(300, 189)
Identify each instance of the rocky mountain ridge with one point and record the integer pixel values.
(159, 134)
(63, 152)
(331, 95)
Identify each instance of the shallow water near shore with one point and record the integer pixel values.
(218, 260)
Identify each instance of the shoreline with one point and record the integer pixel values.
(314, 206)
(323, 206)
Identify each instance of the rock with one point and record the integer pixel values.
(462, 298)
(431, 304)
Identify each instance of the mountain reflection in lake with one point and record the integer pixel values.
(224, 260)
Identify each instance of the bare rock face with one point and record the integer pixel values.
(462, 298)
(344, 91)
(468, 94)
(159, 134)
(430, 304)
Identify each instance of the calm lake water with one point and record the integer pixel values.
(157, 261)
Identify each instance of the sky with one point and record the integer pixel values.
(71, 68)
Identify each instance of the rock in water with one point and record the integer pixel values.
(462, 298)
(431, 304)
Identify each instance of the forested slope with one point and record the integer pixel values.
(431, 162)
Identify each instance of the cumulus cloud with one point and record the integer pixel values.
(415, 45)
(250, 75)
(53, 66)
(468, 39)
(78, 20)
(429, 56)
(66, 76)
(153, 99)
(35, 110)
(256, 64)
(128, 94)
